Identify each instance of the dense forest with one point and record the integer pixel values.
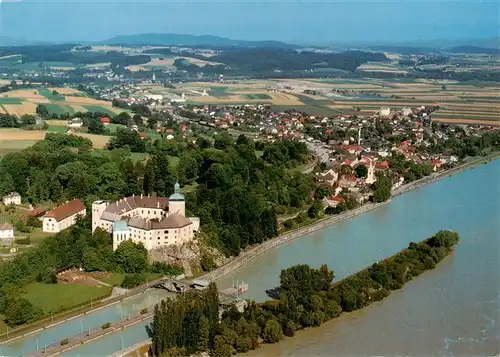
(63, 53)
(237, 195)
(251, 60)
(305, 298)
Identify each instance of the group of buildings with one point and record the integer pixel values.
(155, 222)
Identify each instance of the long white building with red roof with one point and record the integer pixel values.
(153, 221)
(63, 216)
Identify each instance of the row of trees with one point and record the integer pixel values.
(305, 298)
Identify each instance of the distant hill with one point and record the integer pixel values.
(14, 41)
(474, 49)
(405, 50)
(158, 39)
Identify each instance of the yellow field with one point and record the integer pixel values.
(23, 93)
(64, 90)
(20, 109)
(98, 141)
(2, 111)
(18, 134)
(85, 100)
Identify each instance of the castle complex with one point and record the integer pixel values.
(153, 221)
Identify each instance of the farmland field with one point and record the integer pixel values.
(59, 108)
(50, 95)
(69, 100)
(97, 108)
(8, 100)
(258, 96)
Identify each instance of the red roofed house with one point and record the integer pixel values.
(105, 120)
(332, 201)
(382, 165)
(436, 164)
(37, 212)
(63, 216)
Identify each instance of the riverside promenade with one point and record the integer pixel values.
(89, 336)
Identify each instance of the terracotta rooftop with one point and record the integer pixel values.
(173, 221)
(129, 203)
(34, 212)
(66, 210)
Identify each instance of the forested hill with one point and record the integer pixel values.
(273, 59)
(158, 39)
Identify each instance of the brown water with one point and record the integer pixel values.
(453, 310)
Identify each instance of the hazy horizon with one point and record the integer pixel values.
(292, 22)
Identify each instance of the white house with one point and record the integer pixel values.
(75, 123)
(6, 233)
(153, 221)
(407, 111)
(63, 216)
(12, 198)
(385, 111)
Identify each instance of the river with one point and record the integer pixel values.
(453, 310)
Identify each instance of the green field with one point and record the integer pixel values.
(99, 109)
(115, 279)
(258, 96)
(57, 128)
(68, 295)
(7, 100)
(59, 108)
(220, 91)
(8, 146)
(49, 95)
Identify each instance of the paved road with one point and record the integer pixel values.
(321, 152)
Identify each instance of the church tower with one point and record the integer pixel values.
(176, 201)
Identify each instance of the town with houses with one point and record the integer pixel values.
(340, 145)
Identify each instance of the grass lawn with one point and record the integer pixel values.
(57, 128)
(59, 108)
(36, 235)
(8, 100)
(99, 109)
(49, 95)
(115, 279)
(60, 296)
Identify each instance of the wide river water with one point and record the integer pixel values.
(453, 310)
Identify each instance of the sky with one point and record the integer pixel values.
(291, 21)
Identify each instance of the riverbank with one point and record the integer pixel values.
(250, 254)
(256, 251)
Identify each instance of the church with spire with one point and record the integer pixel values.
(153, 221)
